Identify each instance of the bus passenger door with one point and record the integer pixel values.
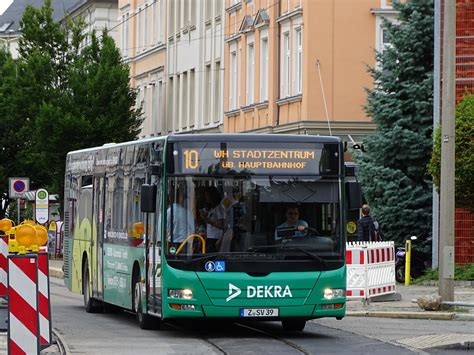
(98, 236)
(154, 253)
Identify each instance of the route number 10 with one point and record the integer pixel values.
(191, 159)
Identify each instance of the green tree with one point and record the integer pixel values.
(11, 123)
(393, 172)
(64, 96)
(464, 160)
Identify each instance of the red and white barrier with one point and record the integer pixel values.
(44, 306)
(370, 269)
(23, 315)
(3, 265)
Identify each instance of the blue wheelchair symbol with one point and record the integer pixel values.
(210, 266)
(220, 266)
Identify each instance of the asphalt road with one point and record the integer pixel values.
(118, 333)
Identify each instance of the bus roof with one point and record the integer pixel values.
(218, 137)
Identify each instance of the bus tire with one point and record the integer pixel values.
(91, 305)
(145, 321)
(293, 325)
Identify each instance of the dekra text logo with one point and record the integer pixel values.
(271, 291)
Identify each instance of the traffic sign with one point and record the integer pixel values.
(42, 206)
(18, 186)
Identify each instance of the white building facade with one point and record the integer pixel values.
(194, 66)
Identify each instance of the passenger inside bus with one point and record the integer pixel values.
(183, 221)
(214, 216)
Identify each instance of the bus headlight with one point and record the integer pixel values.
(186, 293)
(330, 293)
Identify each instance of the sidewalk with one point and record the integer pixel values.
(407, 309)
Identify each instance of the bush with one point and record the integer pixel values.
(464, 163)
(461, 273)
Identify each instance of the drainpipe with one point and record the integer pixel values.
(277, 111)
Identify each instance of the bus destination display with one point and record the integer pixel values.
(265, 160)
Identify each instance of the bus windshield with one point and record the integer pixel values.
(279, 218)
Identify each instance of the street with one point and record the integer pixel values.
(118, 333)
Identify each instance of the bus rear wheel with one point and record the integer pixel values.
(92, 305)
(293, 325)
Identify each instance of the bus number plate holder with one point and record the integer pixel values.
(259, 312)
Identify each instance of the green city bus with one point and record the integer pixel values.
(232, 226)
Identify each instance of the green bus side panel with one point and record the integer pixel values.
(118, 267)
(211, 293)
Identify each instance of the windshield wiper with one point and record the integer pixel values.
(290, 247)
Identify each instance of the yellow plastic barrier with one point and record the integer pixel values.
(28, 222)
(41, 235)
(6, 224)
(25, 235)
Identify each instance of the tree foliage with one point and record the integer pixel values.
(464, 152)
(66, 91)
(393, 171)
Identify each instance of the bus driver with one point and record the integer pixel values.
(292, 220)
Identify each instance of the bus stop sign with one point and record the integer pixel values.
(18, 186)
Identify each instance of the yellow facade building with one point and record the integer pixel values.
(300, 66)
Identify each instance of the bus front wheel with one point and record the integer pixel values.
(293, 324)
(145, 321)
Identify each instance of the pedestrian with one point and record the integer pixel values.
(367, 226)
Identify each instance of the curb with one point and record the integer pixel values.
(414, 315)
(62, 345)
(55, 272)
(458, 283)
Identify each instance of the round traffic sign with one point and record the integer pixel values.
(19, 186)
(42, 194)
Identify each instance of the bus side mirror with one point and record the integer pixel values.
(354, 195)
(148, 198)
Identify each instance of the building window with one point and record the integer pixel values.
(153, 108)
(285, 65)
(250, 74)
(178, 14)
(159, 107)
(145, 28)
(219, 7)
(185, 103)
(139, 27)
(217, 92)
(207, 95)
(154, 21)
(171, 17)
(125, 33)
(143, 103)
(176, 106)
(233, 81)
(384, 40)
(192, 100)
(169, 111)
(162, 20)
(186, 13)
(193, 12)
(298, 61)
(264, 69)
(208, 10)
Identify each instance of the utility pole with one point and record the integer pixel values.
(446, 240)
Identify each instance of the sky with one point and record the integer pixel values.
(4, 5)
